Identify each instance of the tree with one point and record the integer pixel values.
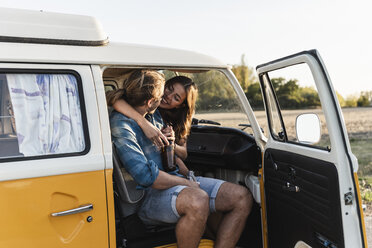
(340, 99)
(310, 97)
(244, 74)
(364, 99)
(254, 96)
(351, 101)
(287, 92)
(277, 83)
(215, 93)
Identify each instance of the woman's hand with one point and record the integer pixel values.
(169, 133)
(153, 133)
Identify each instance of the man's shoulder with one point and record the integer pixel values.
(119, 120)
(158, 120)
(157, 116)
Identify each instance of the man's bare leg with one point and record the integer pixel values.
(235, 202)
(193, 207)
(213, 222)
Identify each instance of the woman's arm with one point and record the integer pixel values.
(126, 109)
(183, 170)
(151, 132)
(181, 149)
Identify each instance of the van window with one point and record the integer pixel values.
(217, 102)
(40, 114)
(296, 93)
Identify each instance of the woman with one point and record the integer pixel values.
(176, 108)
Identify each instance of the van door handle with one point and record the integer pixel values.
(291, 188)
(80, 209)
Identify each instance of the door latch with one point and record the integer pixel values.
(348, 197)
(291, 188)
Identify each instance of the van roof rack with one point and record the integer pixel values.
(31, 26)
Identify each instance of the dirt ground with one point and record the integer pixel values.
(358, 120)
(368, 223)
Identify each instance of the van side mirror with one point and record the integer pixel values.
(308, 129)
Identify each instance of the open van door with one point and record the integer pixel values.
(311, 186)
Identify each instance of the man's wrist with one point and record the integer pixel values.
(187, 182)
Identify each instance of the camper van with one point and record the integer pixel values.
(63, 186)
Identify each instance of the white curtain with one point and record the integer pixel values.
(47, 113)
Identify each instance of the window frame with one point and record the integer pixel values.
(285, 139)
(82, 111)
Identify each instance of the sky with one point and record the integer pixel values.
(263, 30)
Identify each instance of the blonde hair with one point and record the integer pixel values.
(139, 87)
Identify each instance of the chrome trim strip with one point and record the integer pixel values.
(49, 41)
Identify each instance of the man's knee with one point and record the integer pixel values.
(240, 197)
(245, 198)
(194, 202)
(198, 202)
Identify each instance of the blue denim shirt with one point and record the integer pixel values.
(139, 156)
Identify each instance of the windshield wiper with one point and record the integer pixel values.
(248, 125)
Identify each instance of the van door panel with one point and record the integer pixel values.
(30, 202)
(314, 209)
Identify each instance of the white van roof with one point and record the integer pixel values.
(30, 26)
(38, 36)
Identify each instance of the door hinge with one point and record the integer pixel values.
(348, 197)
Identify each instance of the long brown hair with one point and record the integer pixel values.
(180, 118)
(141, 86)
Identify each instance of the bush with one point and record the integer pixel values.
(365, 189)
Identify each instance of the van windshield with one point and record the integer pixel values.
(217, 101)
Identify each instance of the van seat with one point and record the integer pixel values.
(8, 137)
(130, 197)
(127, 202)
(9, 146)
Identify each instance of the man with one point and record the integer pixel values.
(171, 198)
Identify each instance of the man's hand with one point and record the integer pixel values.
(166, 181)
(193, 184)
